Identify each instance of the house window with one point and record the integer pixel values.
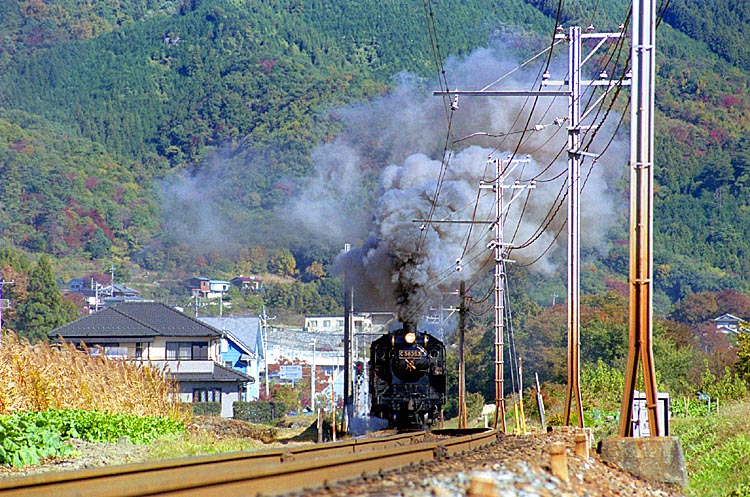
(206, 395)
(186, 351)
(115, 352)
(139, 350)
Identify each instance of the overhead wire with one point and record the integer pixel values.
(555, 206)
(618, 88)
(610, 59)
(548, 51)
(449, 107)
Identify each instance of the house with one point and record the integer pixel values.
(207, 288)
(246, 283)
(335, 324)
(154, 333)
(728, 323)
(98, 296)
(241, 347)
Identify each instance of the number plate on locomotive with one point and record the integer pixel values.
(411, 354)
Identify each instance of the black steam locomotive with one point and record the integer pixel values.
(407, 378)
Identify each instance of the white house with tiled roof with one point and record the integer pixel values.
(161, 335)
(728, 323)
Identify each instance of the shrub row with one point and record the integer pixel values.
(257, 411)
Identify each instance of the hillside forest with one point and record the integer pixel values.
(151, 142)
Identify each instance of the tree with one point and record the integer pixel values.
(283, 263)
(743, 352)
(44, 309)
(286, 397)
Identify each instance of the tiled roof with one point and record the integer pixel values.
(135, 319)
(243, 330)
(220, 373)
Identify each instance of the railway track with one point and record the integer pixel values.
(266, 473)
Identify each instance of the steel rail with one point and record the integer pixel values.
(265, 473)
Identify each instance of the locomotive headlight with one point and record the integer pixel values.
(410, 337)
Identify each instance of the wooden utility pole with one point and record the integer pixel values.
(461, 362)
(348, 335)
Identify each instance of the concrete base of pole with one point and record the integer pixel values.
(656, 459)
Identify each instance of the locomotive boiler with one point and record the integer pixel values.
(407, 377)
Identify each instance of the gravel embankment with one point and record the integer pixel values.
(515, 467)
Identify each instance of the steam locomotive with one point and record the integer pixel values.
(407, 377)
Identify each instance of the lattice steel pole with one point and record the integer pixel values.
(641, 218)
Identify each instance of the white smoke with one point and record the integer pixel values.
(401, 259)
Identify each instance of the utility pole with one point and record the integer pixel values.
(461, 363)
(264, 333)
(502, 170)
(312, 379)
(497, 185)
(643, 55)
(575, 157)
(348, 306)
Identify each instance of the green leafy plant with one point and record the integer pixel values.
(29, 437)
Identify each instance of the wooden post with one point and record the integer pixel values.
(320, 425)
(582, 445)
(559, 461)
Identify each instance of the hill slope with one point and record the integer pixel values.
(154, 94)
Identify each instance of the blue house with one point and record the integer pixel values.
(241, 347)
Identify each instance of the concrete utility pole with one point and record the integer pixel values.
(643, 54)
(503, 170)
(264, 332)
(575, 157)
(348, 335)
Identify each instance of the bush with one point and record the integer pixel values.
(207, 408)
(257, 411)
(729, 387)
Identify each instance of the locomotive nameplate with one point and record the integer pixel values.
(411, 354)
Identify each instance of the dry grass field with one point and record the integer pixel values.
(42, 376)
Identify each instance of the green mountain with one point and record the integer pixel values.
(117, 116)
